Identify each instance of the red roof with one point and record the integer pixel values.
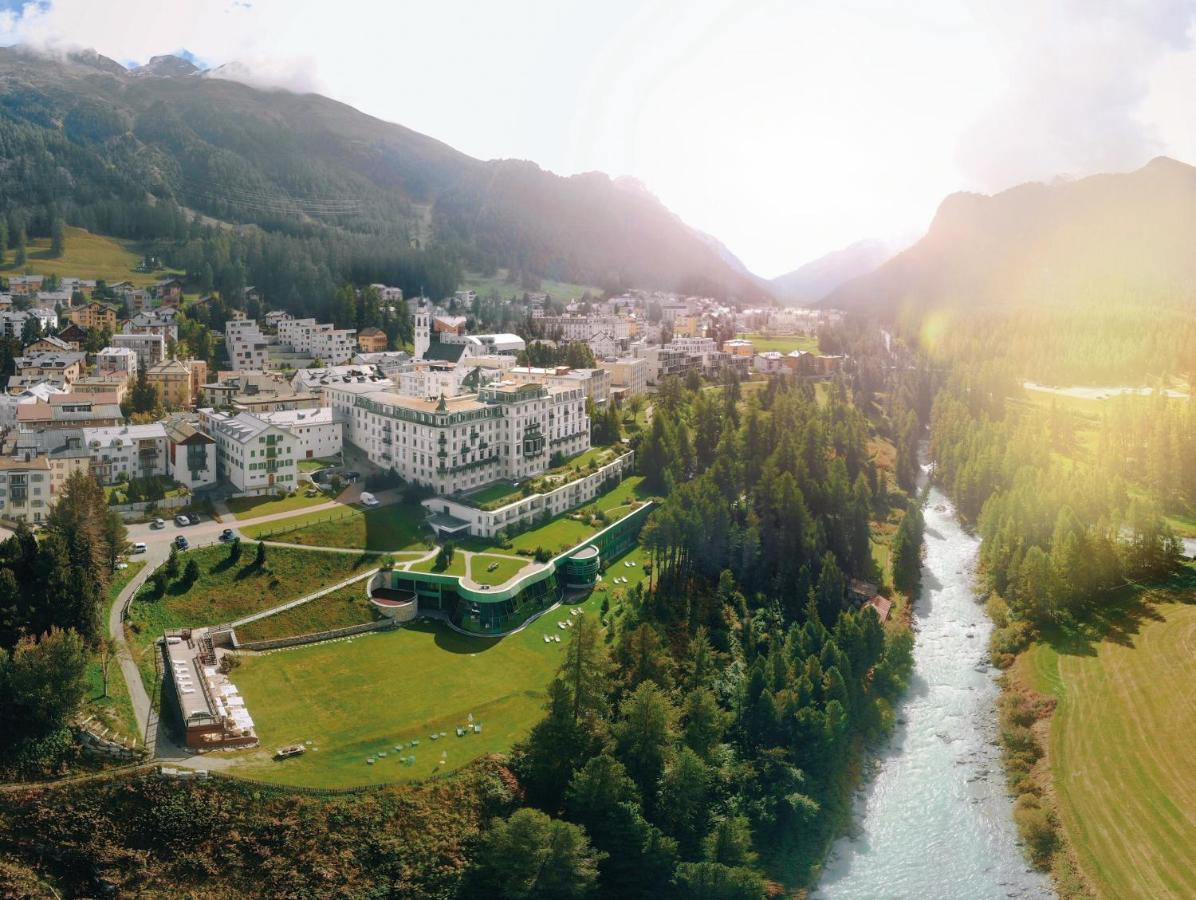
(881, 605)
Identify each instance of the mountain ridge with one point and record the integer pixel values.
(294, 162)
(1104, 236)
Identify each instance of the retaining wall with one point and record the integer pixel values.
(314, 637)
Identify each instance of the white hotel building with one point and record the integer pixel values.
(508, 430)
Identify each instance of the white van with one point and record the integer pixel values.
(139, 547)
(368, 499)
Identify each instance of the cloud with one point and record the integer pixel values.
(1076, 91)
(225, 34)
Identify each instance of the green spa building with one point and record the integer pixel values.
(499, 610)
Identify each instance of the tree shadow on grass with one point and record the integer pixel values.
(1118, 617)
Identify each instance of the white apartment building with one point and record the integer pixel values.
(321, 341)
(116, 361)
(253, 455)
(317, 434)
(627, 372)
(664, 362)
(135, 451)
(190, 453)
(150, 348)
(247, 347)
(508, 430)
(159, 321)
(706, 349)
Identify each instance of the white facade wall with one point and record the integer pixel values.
(316, 433)
(507, 432)
(253, 455)
(150, 348)
(116, 361)
(180, 471)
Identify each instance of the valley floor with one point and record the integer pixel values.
(1120, 740)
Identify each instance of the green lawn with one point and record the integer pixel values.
(227, 592)
(782, 343)
(116, 709)
(456, 567)
(86, 255)
(347, 606)
(314, 465)
(252, 507)
(565, 531)
(494, 495)
(505, 568)
(383, 528)
(1120, 743)
(356, 699)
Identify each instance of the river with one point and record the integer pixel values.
(933, 819)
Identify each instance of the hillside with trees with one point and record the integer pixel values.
(311, 193)
(1087, 281)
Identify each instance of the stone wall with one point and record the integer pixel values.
(314, 637)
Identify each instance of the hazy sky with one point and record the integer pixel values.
(785, 128)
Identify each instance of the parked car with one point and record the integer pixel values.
(139, 547)
(195, 518)
(157, 523)
(181, 542)
(181, 521)
(368, 499)
(227, 535)
(352, 476)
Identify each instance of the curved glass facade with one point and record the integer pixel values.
(498, 611)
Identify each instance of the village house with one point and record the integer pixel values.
(94, 315)
(371, 340)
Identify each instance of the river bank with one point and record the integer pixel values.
(933, 817)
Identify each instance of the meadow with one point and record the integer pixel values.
(85, 255)
(782, 343)
(1120, 740)
(497, 284)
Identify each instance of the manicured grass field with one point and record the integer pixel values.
(1120, 745)
(355, 699)
(456, 567)
(383, 528)
(115, 710)
(341, 608)
(781, 343)
(252, 507)
(85, 255)
(227, 592)
(494, 495)
(505, 568)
